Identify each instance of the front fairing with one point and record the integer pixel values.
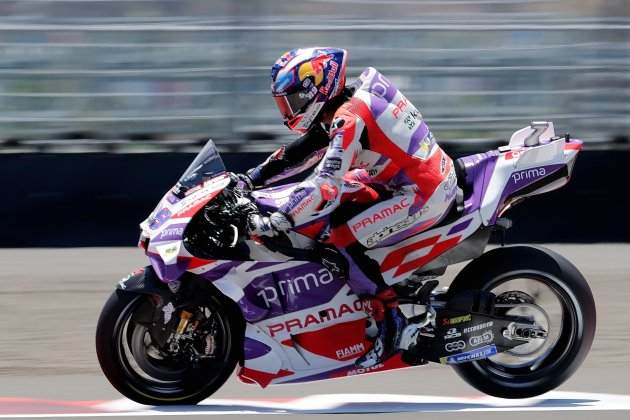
(163, 231)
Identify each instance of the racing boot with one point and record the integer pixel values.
(383, 308)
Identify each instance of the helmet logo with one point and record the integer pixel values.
(314, 69)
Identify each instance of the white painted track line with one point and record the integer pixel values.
(321, 404)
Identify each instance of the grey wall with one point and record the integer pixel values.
(189, 68)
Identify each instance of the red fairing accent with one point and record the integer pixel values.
(345, 341)
(192, 210)
(396, 257)
(438, 249)
(195, 262)
(394, 362)
(312, 230)
(573, 146)
(341, 236)
(263, 379)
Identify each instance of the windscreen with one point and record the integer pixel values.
(207, 164)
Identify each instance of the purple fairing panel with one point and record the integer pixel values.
(288, 290)
(524, 178)
(167, 273)
(322, 375)
(254, 348)
(400, 236)
(254, 313)
(479, 169)
(220, 270)
(459, 227)
(160, 217)
(270, 199)
(357, 280)
(261, 265)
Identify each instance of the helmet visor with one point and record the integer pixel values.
(292, 104)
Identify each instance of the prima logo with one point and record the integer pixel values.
(528, 174)
(295, 285)
(171, 232)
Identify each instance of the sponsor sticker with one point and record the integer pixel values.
(528, 174)
(320, 317)
(484, 338)
(452, 333)
(478, 327)
(381, 215)
(332, 164)
(348, 352)
(386, 232)
(480, 353)
(457, 320)
(295, 286)
(455, 346)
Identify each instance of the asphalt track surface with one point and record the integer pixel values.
(50, 300)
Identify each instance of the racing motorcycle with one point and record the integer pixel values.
(515, 322)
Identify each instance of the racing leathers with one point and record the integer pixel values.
(377, 138)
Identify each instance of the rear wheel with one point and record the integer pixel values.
(540, 284)
(182, 371)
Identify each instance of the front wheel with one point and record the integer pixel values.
(180, 368)
(540, 284)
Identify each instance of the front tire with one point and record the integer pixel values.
(574, 329)
(129, 360)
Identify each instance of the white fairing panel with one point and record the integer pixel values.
(520, 165)
(538, 132)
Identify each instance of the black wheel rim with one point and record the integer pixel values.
(165, 380)
(547, 362)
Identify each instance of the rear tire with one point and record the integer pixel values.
(154, 381)
(538, 264)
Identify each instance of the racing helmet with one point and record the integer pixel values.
(303, 80)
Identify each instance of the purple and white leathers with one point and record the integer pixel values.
(285, 318)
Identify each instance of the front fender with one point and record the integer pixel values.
(145, 281)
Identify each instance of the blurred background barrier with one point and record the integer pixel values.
(102, 101)
(102, 74)
(99, 199)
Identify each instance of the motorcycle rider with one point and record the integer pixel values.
(366, 132)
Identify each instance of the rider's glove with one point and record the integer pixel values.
(258, 225)
(243, 182)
